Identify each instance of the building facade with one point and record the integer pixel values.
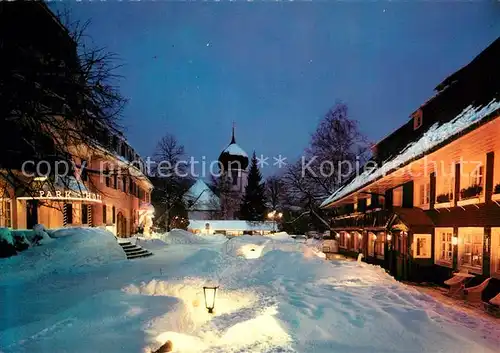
(428, 204)
(233, 180)
(105, 184)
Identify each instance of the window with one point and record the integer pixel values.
(424, 194)
(422, 246)
(380, 245)
(108, 179)
(471, 247)
(113, 215)
(83, 170)
(68, 213)
(343, 240)
(130, 186)
(417, 119)
(5, 213)
(115, 181)
(235, 178)
(124, 184)
(104, 215)
(446, 190)
(371, 244)
(444, 247)
(397, 197)
(476, 177)
(85, 214)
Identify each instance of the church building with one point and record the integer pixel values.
(224, 201)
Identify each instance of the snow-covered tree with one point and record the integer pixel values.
(253, 207)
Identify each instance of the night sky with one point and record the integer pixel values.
(191, 69)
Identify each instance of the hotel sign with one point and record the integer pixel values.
(69, 195)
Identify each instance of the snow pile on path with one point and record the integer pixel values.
(253, 247)
(73, 249)
(179, 236)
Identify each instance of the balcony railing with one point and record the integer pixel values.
(374, 219)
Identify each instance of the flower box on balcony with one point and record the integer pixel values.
(496, 193)
(444, 198)
(471, 195)
(471, 192)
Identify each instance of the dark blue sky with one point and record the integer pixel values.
(191, 69)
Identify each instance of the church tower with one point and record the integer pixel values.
(233, 161)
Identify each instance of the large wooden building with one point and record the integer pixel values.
(428, 202)
(112, 188)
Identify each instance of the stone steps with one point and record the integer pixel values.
(133, 251)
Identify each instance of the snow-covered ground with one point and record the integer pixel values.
(79, 294)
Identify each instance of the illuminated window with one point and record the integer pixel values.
(380, 245)
(470, 250)
(371, 244)
(422, 246)
(397, 196)
(424, 194)
(444, 247)
(476, 177)
(5, 212)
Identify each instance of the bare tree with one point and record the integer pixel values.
(171, 180)
(227, 201)
(275, 192)
(58, 92)
(337, 149)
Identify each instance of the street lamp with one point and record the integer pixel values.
(273, 215)
(209, 293)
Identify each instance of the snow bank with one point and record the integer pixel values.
(73, 249)
(279, 236)
(179, 236)
(282, 301)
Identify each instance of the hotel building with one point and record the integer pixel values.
(431, 206)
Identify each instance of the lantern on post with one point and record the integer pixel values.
(209, 294)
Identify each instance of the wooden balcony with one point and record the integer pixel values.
(375, 219)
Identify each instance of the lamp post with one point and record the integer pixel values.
(209, 294)
(274, 215)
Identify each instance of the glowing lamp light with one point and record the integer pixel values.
(360, 235)
(389, 236)
(280, 215)
(337, 235)
(374, 237)
(209, 293)
(270, 214)
(454, 240)
(348, 235)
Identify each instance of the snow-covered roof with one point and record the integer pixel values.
(202, 197)
(436, 135)
(235, 150)
(231, 225)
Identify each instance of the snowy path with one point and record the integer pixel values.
(285, 301)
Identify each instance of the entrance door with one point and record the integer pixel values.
(31, 213)
(401, 255)
(121, 225)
